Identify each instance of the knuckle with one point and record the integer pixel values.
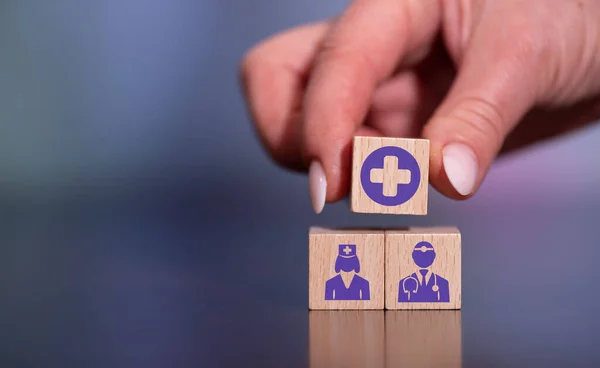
(533, 49)
(247, 72)
(534, 39)
(482, 119)
(528, 44)
(281, 143)
(340, 52)
(250, 62)
(338, 55)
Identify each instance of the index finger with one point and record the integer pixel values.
(364, 47)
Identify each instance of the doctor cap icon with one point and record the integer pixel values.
(423, 254)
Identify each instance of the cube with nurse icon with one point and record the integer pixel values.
(390, 175)
(346, 269)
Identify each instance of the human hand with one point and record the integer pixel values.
(475, 77)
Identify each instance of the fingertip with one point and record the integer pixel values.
(454, 170)
(317, 185)
(334, 165)
(461, 167)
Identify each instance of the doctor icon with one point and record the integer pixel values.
(423, 286)
(347, 285)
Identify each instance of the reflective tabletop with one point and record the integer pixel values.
(157, 279)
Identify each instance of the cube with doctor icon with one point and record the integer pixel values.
(423, 268)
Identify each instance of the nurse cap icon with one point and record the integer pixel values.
(347, 260)
(347, 250)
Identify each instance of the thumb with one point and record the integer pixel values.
(493, 90)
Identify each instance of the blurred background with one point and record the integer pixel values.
(141, 222)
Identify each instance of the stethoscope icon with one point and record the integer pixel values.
(435, 287)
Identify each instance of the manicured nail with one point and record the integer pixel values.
(460, 164)
(318, 186)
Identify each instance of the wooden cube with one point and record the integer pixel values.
(423, 268)
(390, 175)
(423, 339)
(346, 339)
(345, 269)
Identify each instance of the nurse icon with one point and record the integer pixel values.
(423, 286)
(347, 285)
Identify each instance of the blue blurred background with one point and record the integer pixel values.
(132, 186)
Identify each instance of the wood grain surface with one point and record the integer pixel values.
(360, 201)
(399, 245)
(323, 251)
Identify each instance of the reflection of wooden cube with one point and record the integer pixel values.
(423, 339)
(345, 269)
(346, 339)
(390, 175)
(423, 268)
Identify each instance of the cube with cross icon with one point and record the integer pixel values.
(390, 175)
(345, 268)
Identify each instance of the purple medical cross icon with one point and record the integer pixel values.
(390, 176)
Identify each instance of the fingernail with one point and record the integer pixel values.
(318, 186)
(460, 164)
